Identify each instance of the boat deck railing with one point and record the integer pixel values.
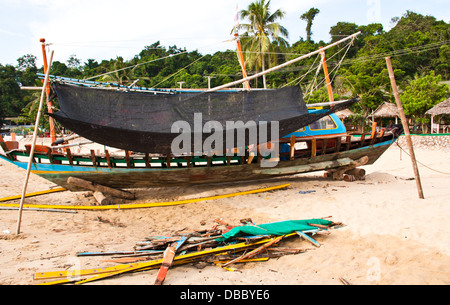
(290, 149)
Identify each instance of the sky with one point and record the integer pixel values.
(105, 29)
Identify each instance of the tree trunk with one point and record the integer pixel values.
(263, 69)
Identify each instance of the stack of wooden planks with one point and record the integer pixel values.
(195, 247)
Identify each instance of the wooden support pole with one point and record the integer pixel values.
(100, 188)
(292, 150)
(313, 148)
(102, 199)
(405, 126)
(30, 161)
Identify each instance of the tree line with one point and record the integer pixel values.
(418, 46)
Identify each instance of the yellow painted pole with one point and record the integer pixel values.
(146, 205)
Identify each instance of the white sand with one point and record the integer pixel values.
(391, 236)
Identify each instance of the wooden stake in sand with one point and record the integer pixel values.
(405, 126)
(36, 127)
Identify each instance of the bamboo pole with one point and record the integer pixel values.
(36, 127)
(327, 76)
(246, 79)
(47, 88)
(405, 126)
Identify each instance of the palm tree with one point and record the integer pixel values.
(309, 17)
(120, 74)
(260, 33)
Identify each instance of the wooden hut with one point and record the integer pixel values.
(386, 110)
(343, 114)
(438, 110)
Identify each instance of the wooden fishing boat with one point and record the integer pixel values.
(311, 138)
(298, 154)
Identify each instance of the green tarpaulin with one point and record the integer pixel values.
(274, 228)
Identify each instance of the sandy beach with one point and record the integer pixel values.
(390, 235)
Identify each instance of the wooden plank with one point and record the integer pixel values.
(306, 237)
(123, 268)
(167, 261)
(254, 252)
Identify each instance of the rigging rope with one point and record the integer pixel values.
(170, 76)
(134, 66)
(334, 70)
(444, 173)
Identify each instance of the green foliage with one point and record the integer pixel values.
(422, 93)
(309, 18)
(417, 44)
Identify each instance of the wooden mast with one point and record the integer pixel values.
(49, 102)
(241, 60)
(239, 51)
(327, 76)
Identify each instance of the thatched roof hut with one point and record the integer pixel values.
(386, 110)
(345, 113)
(441, 108)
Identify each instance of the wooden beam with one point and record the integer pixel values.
(102, 199)
(338, 173)
(101, 188)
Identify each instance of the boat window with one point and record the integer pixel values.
(323, 123)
